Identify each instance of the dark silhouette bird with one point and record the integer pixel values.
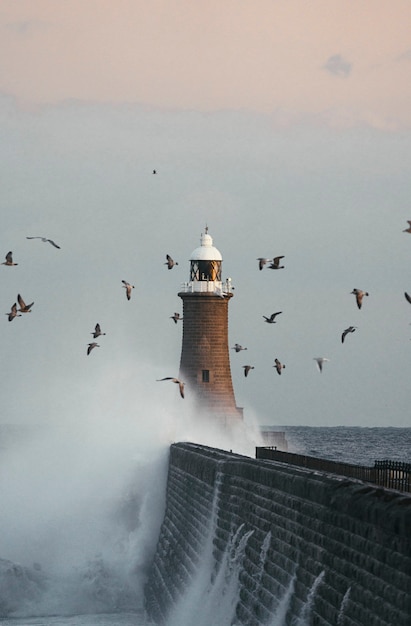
(238, 348)
(154, 171)
(263, 261)
(13, 313)
(9, 259)
(247, 368)
(128, 288)
(24, 308)
(275, 265)
(271, 319)
(174, 380)
(320, 360)
(408, 230)
(359, 295)
(97, 331)
(407, 297)
(278, 366)
(170, 262)
(91, 346)
(53, 243)
(176, 317)
(350, 329)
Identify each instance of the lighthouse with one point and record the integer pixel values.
(205, 361)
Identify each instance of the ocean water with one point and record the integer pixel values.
(79, 527)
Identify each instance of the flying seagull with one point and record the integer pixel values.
(275, 265)
(13, 313)
(408, 230)
(97, 331)
(247, 368)
(407, 297)
(271, 319)
(24, 308)
(9, 259)
(53, 243)
(350, 329)
(263, 261)
(176, 317)
(128, 288)
(278, 366)
(359, 295)
(175, 380)
(320, 360)
(238, 348)
(170, 262)
(91, 346)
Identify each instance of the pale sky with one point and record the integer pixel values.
(285, 126)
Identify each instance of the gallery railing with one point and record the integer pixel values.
(390, 474)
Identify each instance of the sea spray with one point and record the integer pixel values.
(281, 611)
(304, 618)
(214, 585)
(262, 558)
(343, 606)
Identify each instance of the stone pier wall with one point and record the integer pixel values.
(353, 538)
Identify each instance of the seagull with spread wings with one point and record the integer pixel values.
(359, 295)
(320, 360)
(13, 313)
(97, 331)
(53, 243)
(175, 380)
(275, 265)
(128, 288)
(271, 319)
(170, 262)
(9, 259)
(24, 308)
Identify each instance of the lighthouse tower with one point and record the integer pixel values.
(205, 362)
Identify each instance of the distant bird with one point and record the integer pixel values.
(263, 261)
(128, 288)
(320, 360)
(407, 297)
(91, 346)
(278, 366)
(271, 319)
(154, 171)
(170, 262)
(350, 329)
(24, 308)
(275, 265)
(175, 380)
(97, 331)
(9, 259)
(238, 348)
(359, 295)
(53, 243)
(247, 368)
(176, 317)
(408, 230)
(13, 313)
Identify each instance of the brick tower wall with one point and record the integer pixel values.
(205, 348)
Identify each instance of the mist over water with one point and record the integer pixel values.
(83, 500)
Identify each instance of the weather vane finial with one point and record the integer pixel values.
(206, 229)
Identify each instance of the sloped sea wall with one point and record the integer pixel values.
(278, 544)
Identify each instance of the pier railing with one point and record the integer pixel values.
(390, 474)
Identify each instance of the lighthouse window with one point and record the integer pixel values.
(205, 270)
(206, 376)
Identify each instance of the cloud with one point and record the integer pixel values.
(338, 66)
